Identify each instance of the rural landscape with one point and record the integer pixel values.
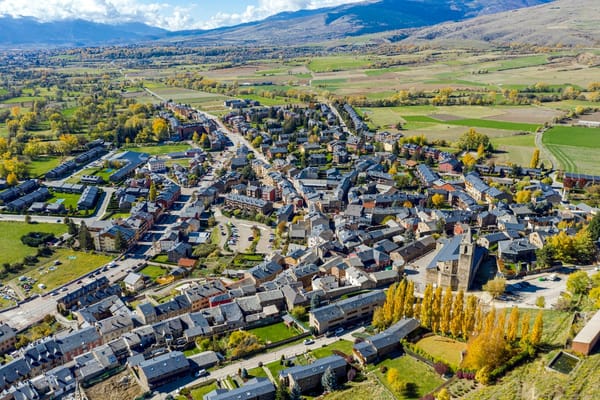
(343, 200)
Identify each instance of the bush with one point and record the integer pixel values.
(383, 369)
(35, 239)
(441, 368)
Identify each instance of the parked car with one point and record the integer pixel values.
(200, 373)
(308, 341)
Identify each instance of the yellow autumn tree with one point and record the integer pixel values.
(399, 301)
(525, 330)
(426, 306)
(409, 299)
(446, 313)
(513, 325)
(436, 309)
(468, 321)
(480, 151)
(438, 200)
(535, 338)
(535, 159)
(11, 179)
(457, 314)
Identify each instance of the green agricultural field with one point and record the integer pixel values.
(443, 348)
(411, 370)
(73, 264)
(488, 123)
(274, 333)
(12, 249)
(41, 165)
(516, 149)
(161, 149)
(576, 148)
(338, 63)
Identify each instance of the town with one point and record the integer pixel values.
(259, 253)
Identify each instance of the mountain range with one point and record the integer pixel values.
(440, 19)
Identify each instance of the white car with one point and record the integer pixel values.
(308, 341)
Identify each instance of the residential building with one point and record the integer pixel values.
(253, 389)
(8, 338)
(308, 377)
(588, 337)
(161, 370)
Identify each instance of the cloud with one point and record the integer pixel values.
(265, 9)
(162, 14)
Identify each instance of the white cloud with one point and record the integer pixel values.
(267, 8)
(161, 14)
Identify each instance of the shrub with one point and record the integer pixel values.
(383, 369)
(35, 239)
(441, 368)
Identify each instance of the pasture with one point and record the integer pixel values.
(576, 148)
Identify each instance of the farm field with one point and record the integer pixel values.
(12, 249)
(443, 348)
(73, 264)
(516, 149)
(576, 148)
(411, 370)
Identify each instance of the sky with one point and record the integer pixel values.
(167, 14)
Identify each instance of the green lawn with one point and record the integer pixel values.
(198, 394)
(367, 389)
(41, 165)
(274, 333)
(161, 149)
(342, 345)
(153, 271)
(257, 372)
(488, 123)
(12, 249)
(73, 264)
(275, 367)
(68, 199)
(443, 348)
(411, 370)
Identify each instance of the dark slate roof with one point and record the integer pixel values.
(316, 368)
(164, 364)
(253, 389)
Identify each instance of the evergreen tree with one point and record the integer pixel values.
(446, 312)
(594, 227)
(282, 392)
(72, 227)
(409, 300)
(535, 338)
(457, 314)
(85, 238)
(120, 242)
(513, 325)
(329, 380)
(426, 307)
(436, 309)
(295, 393)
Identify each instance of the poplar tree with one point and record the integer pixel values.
(457, 314)
(468, 322)
(388, 306)
(436, 309)
(426, 307)
(513, 325)
(535, 338)
(479, 319)
(399, 301)
(409, 299)
(446, 312)
(525, 330)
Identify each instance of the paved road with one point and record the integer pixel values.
(244, 232)
(252, 362)
(545, 153)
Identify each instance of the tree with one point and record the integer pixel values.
(85, 238)
(409, 300)
(398, 298)
(545, 256)
(443, 395)
(436, 309)
(27, 219)
(535, 158)
(468, 322)
(513, 325)
(468, 160)
(525, 330)
(594, 227)
(195, 137)
(523, 196)
(540, 302)
(11, 179)
(535, 337)
(242, 343)
(315, 302)
(426, 306)
(438, 200)
(471, 140)
(204, 141)
(120, 242)
(299, 313)
(457, 314)
(152, 193)
(446, 312)
(160, 129)
(329, 380)
(495, 287)
(282, 393)
(296, 392)
(257, 141)
(578, 282)
(480, 151)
